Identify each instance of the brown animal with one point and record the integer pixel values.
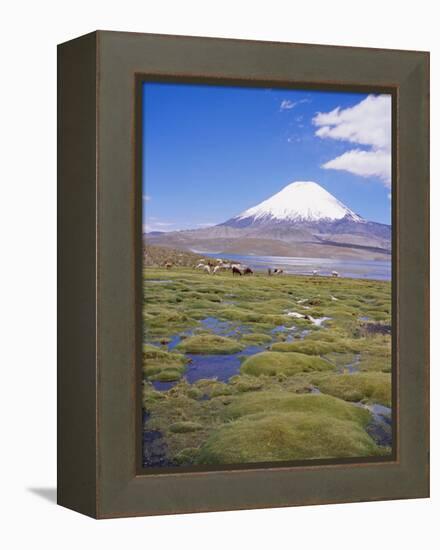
(168, 265)
(248, 271)
(236, 271)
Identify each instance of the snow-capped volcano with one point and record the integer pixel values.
(300, 201)
(303, 219)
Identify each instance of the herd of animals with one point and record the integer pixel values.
(211, 268)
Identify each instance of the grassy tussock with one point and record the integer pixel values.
(273, 363)
(162, 366)
(285, 402)
(371, 387)
(255, 338)
(286, 436)
(210, 344)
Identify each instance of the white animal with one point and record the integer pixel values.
(314, 272)
(207, 269)
(200, 266)
(317, 322)
(335, 274)
(296, 315)
(216, 269)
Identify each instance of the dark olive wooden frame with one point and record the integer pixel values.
(98, 268)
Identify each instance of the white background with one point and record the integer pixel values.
(29, 33)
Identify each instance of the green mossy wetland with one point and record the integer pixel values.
(160, 365)
(272, 437)
(273, 363)
(368, 387)
(290, 389)
(210, 344)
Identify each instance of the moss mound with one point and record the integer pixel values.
(213, 388)
(186, 456)
(210, 344)
(256, 338)
(168, 375)
(153, 353)
(185, 426)
(304, 346)
(286, 402)
(273, 363)
(372, 387)
(245, 383)
(286, 436)
(161, 365)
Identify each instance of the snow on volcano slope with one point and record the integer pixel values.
(300, 201)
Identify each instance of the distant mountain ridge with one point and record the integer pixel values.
(303, 219)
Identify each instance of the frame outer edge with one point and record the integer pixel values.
(77, 271)
(123, 495)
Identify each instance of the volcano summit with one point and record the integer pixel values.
(298, 202)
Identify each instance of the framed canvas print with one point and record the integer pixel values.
(243, 274)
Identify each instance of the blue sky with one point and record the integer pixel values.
(210, 152)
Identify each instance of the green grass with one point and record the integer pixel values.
(309, 347)
(209, 344)
(256, 338)
(167, 375)
(371, 387)
(186, 456)
(162, 365)
(266, 412)
(286, 436)
(245, 383)
(286, 402)
(185, 426)
(273, 363)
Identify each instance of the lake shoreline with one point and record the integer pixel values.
(350, 269)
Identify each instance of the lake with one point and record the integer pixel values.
(357, 269)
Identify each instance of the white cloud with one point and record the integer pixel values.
(363, 163)
(368, 123)
(287, 104)
(156, 226)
